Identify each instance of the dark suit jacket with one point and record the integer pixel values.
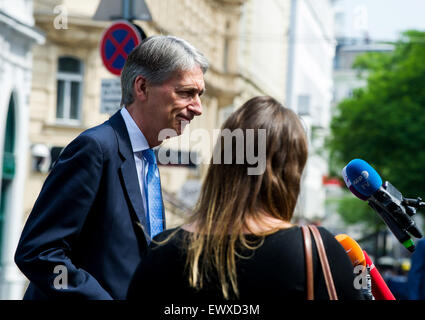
(86, 218)
(416, 276)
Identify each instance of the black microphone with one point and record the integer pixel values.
(395, 210)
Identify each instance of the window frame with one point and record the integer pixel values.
(67, 78)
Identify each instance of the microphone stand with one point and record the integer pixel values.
(412, 205)
(397, 212)
(401, 235)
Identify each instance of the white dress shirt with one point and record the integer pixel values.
(138, 144)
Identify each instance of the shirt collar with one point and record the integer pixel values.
(137, 139)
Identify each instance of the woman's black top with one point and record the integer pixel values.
(276, 271)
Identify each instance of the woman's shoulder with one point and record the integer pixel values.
(326, 234)
(329, 240)
(296, 230)
(294, 233)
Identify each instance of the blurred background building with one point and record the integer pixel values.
(345, 80)
(282, 48)
(309, 93)
(351, 25)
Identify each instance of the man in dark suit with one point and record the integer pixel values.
(101, 204)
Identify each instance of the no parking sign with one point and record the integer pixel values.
(116, 44)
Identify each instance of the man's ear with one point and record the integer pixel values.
(140, 88)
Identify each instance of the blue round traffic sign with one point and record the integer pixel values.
(117, 43)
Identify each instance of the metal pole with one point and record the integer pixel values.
(126, 9)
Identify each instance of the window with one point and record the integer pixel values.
(69, 88)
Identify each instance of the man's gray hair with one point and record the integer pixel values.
(156, 59)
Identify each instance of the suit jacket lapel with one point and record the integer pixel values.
(128, 168)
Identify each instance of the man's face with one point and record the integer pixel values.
(173, 104)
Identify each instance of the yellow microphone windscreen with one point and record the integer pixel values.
(352, 248)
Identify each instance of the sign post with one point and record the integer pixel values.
(110, 95)
(117, 43)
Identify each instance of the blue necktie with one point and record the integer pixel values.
(153, 194)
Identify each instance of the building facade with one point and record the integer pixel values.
(17, 37)
(286, 50)
(345, 80)
(255, 47)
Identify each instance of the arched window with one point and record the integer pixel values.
(8, 170)
(69, 89)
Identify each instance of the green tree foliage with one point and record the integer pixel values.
(354, 211)
(384, 123)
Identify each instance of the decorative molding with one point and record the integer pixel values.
(26, 30)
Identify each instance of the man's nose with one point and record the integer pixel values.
(196, 106)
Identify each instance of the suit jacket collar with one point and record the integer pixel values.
(137, 138)
(124, 143)
(128, 168)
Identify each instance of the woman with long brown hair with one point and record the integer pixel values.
(239, 243)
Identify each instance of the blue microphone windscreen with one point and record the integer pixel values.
(358, 174)
(350, 186)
